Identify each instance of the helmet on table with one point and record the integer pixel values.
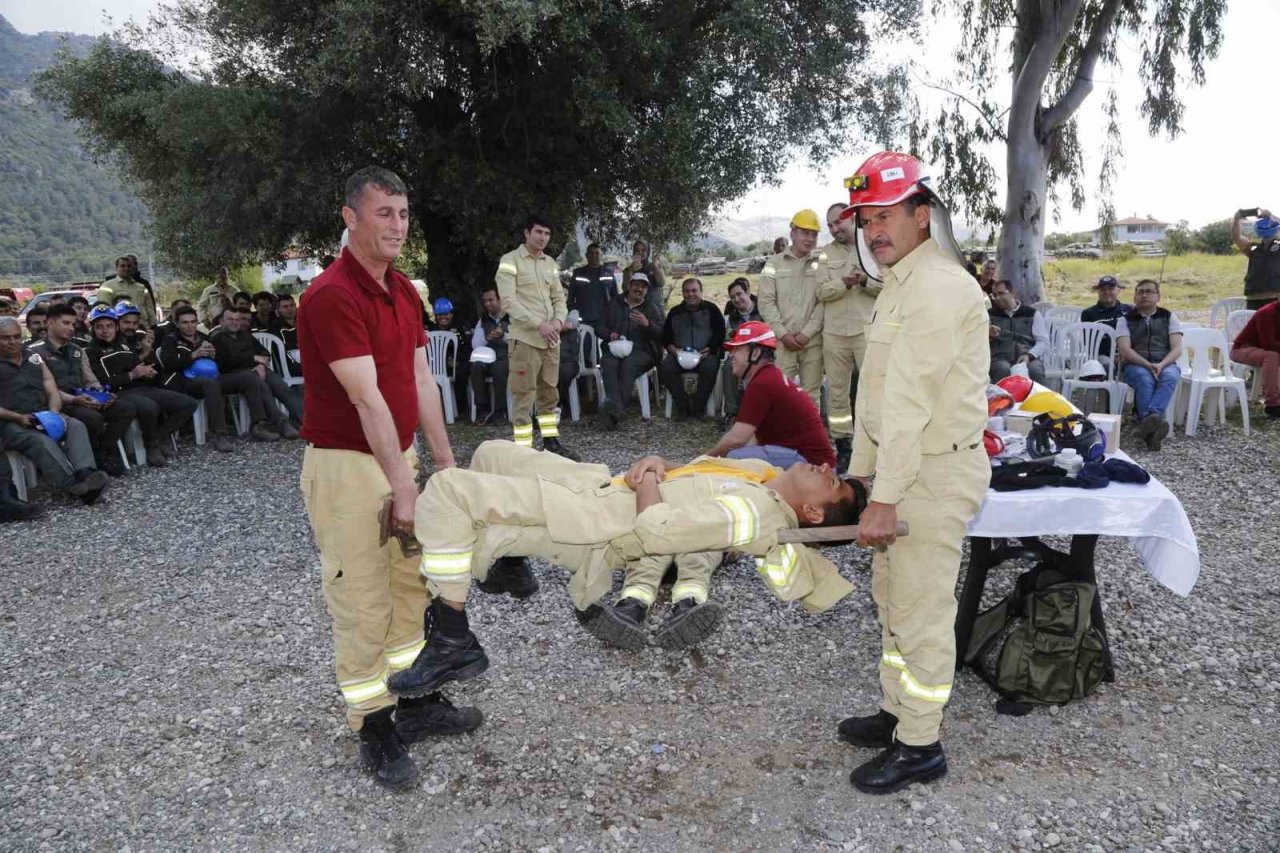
(1050, 435)
(1019, 387)
(1043, 401)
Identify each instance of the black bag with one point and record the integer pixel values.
(1039, 645)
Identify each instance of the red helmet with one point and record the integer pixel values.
(1019, 386)
(753, 332)
(885, 179)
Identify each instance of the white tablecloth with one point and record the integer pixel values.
(1150, 515)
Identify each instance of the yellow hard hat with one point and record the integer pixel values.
(1052, 402)
(806, 219)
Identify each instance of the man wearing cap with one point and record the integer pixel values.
(848, 299)
(641, 262)
(1018, 334)
(631, 319)
(528, 281)
(492, 333)
(1108, 309)
(592, 288)
(1262, 277)
(918, 428)
(789, 303)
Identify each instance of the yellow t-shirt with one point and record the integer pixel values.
(713, 468)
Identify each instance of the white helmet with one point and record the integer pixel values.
(483, 355)
(621, 348)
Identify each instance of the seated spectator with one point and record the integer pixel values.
(130, 333)
(120, 367)
(570, 350)
(81, 307)
(243, 299)
(692, 326)
(1018, 334)
(460, 364)
(66, 360)
(987, 277)
(183, 346)
(37, 319)
(780, 245)
(1150, 341)
(630, 316)
(166, 327)
(27, 387)
(237, 353)
(124, 285)
(591, 289)
(263, 318)
(8, 308)
(214, 298)
(1258, 345)
(443, 321)
(741, 307)
(13, 508)
(1108, 309)
(491, 332)
(777, 421)
(288, 331)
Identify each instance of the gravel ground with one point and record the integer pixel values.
(166, 683)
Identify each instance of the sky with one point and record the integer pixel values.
(1218, 164)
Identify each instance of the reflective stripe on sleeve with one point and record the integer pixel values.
(744, 521)
(507, 267)
(779, 571)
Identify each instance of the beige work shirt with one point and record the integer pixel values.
(789, 294)
(113, 288)
(211, 298)
(531, 294)
(845, 310)
(923, 388)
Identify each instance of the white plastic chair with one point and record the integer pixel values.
(443, 350)
(274, 345)
(1055, 360)
(488, 384)
(23, 471)
(1236, 321)
(1202, 377)
(1064, 312)
(714, 402)
(587, 343)
(1083, 343)
(1223, 309)
(1042, 306)
(642, 391)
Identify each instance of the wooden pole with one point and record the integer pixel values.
(812, 535)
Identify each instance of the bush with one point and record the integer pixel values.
(1179, 239)
(1122, 253)
(1215, 238)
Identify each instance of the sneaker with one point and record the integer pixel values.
(433, 715)
(222, 444)
(689, 623)
(12, 509)
(1147, 428)
(156, 457)
(620, 625)
(261, 432)
(111, 466)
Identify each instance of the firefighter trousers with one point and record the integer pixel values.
(913, 583)
(807, 365)
(693, 577)
(533, 378)
(375, 595)
(841, 355)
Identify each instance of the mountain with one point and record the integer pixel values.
(744, 232)
(62, 216)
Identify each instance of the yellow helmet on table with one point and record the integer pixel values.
(1042, 400)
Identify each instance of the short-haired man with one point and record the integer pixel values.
(238, 353)
(642, 262)
(175, 356)
(81, 306)
(789, 303)
(264, 313)
(1107, 310)
(528, 281)
(106, 422)
(1258, 345)
(491, 332)
(630, 316)
(779, 245)
(287, 309)
(369, 388)
(214, 298)
(694, 326)
(918, 430)
(27, 387)
(243, 299)
(8, 308)
(166, 326)
(124, 285)
(37, 321)
(741, 307)
(591, 289)
(1262, 276)
(1150, 341)
(1018, 334)
(777, 422)
(848, 297)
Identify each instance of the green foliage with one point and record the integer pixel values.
(1215, 238)
(1121, 253)
(1057, 240)
(1179, 239)
(62, 216)
(571, 257)
(632, 119)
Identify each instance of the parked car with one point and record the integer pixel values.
(47, 297)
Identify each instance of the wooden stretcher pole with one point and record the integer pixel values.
(811, 535)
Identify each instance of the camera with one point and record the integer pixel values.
(1248, 212)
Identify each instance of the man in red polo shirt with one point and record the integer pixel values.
(776, 421)
(369, 386)
(1258, 345)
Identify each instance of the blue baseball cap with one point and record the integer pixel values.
(1266, 227)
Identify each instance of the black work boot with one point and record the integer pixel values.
(553, 445)
(14, 509)
(875, 731)
(512, 575)
(110, 464)
(899, 766)
(87, 480)
(433, 715)
(621, 624)
(844, 453)
(452, 653)
(384, 754)
(689, 623)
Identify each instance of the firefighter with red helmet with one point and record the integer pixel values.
(920, 414)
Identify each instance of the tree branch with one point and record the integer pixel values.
(982, 112)
(1058, 114)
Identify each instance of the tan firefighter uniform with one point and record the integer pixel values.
(845, 313)
(789, 303)
(531, 295)
(515, 501)
(693, 577)
(920, 414)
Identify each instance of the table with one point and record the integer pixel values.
(1149, 515)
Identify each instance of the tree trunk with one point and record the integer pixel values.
(1022, 237)
(455, 273)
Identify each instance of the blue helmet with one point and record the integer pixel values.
(442, 306)
(100, 397)
(52, 424)
(1266, 227)
(124, 308)
(202, 368)
(100, 313)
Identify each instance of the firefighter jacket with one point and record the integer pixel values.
(531, 294)
(136, 292)
(845, 310)
(789, 294)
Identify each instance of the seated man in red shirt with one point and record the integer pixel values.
(1258, 345)
(776, 421)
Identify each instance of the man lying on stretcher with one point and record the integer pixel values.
(516, 501)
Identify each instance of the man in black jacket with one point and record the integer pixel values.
(591, 289)
(238, 353)
(632, 317)
(696, 326)
(177, 353)
(1108, 308)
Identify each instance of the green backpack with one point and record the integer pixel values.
(1039, 645)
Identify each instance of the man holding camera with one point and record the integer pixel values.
(1262, 277)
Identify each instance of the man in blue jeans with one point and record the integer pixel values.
(1149, 339)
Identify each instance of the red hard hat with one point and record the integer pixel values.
(753, 332)
(885, 179)
(1018, 386)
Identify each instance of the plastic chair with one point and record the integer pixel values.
(1064, 312)
(642, 391)
(488, 384)
(1083, 343)
(587, 343)
(1236, 321)
(714, 402)
(134, 436)
(1223, 309)
(1055, 360)
(1042, 306)
(1202, 377)
(443, 350)
(274, 345)
(23, 471)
